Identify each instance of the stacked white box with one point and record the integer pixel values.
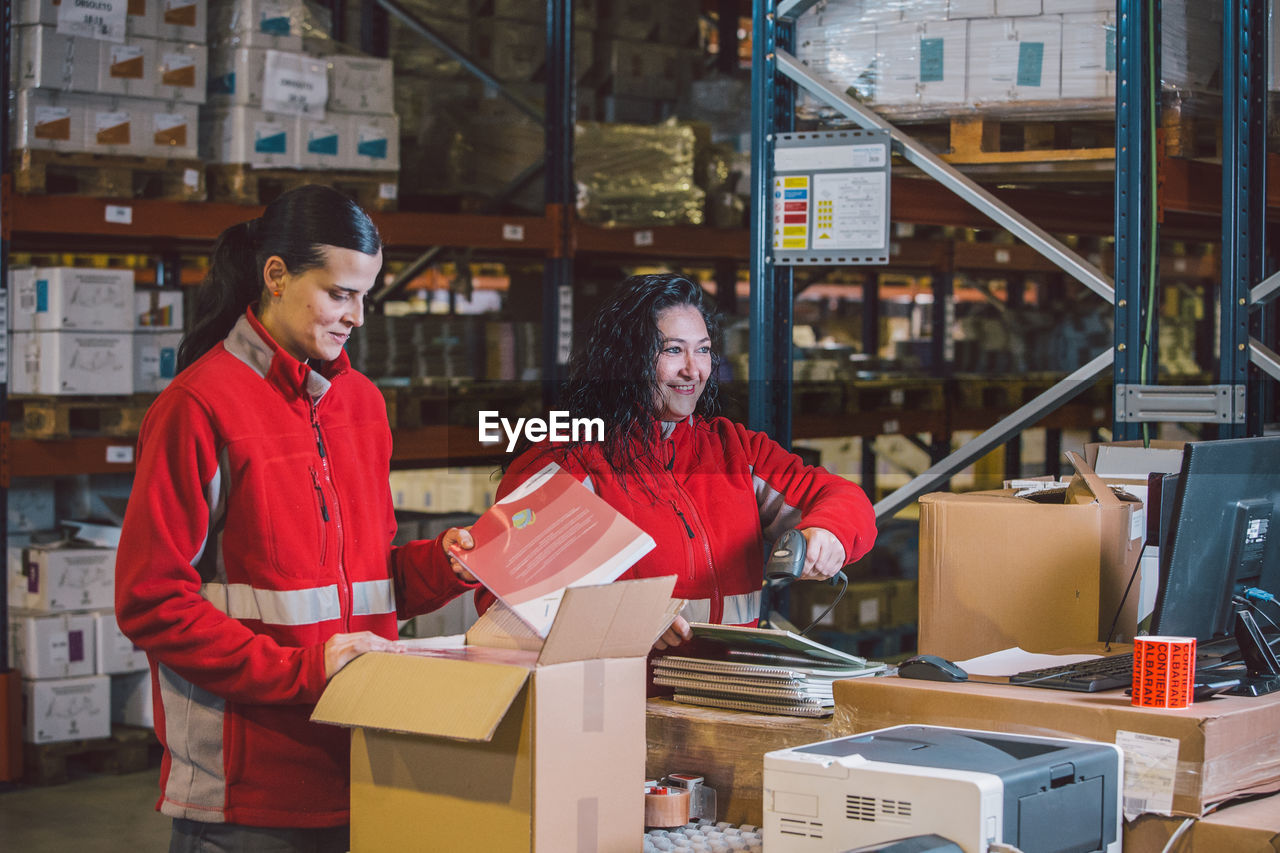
(71, 363)
(67, 709)
(116, 126)
(131, 700)
(61, 645)
(31, 507)
(921, 63)
(1015, 59)
(327, 142)
(1053, 7)
(63, 577)
(248, 135)
(47, 60)
(128, 68)
(155, 360)
(361, 84)
(48, 120)
(1088, 55)
(115, 653)
(257, 23)
(172, 129)
(839, 51)
(235, 75)
(959, 9)
(21, 309)
(182, 20)
(61, 298)
(1190, 44)
(137, 18)
(1019, 8)
(158, 309)
(376, 142)
(182, 71)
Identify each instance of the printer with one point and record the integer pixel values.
(973, 788)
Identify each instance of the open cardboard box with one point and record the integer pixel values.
(998, 571)
(497, 749)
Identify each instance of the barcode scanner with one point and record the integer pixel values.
(786, 561)
(785, 566)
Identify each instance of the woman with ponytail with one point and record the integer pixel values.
(256, 557)
(710, 492)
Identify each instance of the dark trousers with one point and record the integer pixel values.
(191, 836)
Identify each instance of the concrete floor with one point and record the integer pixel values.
(91, 814)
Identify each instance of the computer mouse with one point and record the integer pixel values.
(931, 668)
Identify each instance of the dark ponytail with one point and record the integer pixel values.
(295, 227)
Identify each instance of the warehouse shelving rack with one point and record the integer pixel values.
(1241, 210)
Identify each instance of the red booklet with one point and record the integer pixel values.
(550, 533)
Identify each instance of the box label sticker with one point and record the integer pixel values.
(270, 138)
(180, 13)
(169, 129)
(95, 19)
(850, 210)
(371, 142)
(323, 139)
(294, 84)
(178, 69)
(791, 212)
(1150, 767)
(127, 62)
(53, 123)
(931, 56)
(111, 128)
(1030, 63)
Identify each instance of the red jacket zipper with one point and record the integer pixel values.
(717, 600)
(345, 592)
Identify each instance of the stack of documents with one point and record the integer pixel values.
(758, 669)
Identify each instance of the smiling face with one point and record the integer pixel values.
(684, 361)
(315, 311)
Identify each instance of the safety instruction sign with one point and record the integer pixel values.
(831, 198)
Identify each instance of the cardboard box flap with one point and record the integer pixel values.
(1100, 489)
(459, 699)
(615, 620)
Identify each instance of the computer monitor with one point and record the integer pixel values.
(1224, 536)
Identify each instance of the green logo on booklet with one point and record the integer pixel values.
(523, 519)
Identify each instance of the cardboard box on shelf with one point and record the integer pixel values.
(131, 703)
(52, 645)
(115, 653)
(155, 360)
(173, 130)
(517, 736)
(375, 142)
(1015, 59)
(117, 126)
(64, 577)
(158, 309)
(61, 709)
(181, 20)
(71, 363)
(361, 84)
(129, 68)
(48, 120)
(998, 571)
(921, 63)
(249, 136)
(1181, 762)
(326, 143)
(137, 19)
(235, 75)
(257, 23)
(46, 59)
(1089, 55)
(182, 72)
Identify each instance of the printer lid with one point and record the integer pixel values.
(935, 746)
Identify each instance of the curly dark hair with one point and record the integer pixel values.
(613, 376)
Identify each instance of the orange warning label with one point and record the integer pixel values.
(1163, 671)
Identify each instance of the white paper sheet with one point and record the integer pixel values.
(1015, 660)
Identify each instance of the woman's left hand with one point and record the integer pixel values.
(823, 554)
(461, 538)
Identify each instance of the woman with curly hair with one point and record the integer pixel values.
(712, 493)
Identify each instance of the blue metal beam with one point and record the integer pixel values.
(1137, 73)
(1244, 182)
(557, 297)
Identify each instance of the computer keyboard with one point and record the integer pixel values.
(1090, 676)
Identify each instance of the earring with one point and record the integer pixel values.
(276, 293)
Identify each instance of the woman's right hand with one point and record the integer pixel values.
(458, 537)
(342, 649)
(677, 632)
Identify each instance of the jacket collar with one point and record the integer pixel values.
(250, 342)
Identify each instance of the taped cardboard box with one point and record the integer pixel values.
(1182, 762)
(1251, 826)
(1042, 572)
(507, 749)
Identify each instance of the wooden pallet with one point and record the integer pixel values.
(37, 172)
(62, 417)
(979, 139)
(241, 184)
(129, 749)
